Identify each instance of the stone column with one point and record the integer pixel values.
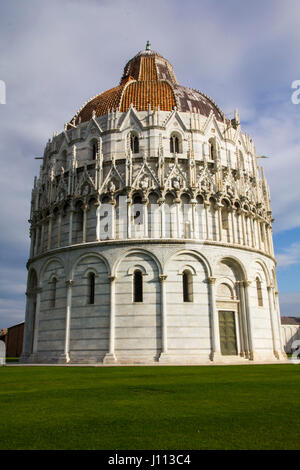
(37, 237)
(232, 238)
(195, 226)
(252, 231)
(239, 227)
(32, 241)
(42, 236)
(271, 241)
(98, 228)
(110, 355)
(129, 219)
(271, 309)
(258, 233)
(36, 320)
(162, 220)
(164, 325)
(66, 355)
(268, 240)
(243, 320)
(270, 244)
(50, 220)
(70, 239)
(219, 215)
(214, 322)
(145, 218)
(113, 220)
(206, 205)
(59, 229)
(85, 209)
(253, 355)
(243, 227)
(180, 228)
(282, 353)
(264, 237)
(28, 327)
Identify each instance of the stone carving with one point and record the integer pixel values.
(111, 187)
(176, 183)
(144, 183)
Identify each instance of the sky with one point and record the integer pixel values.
(55, 55)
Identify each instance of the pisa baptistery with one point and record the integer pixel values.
(151, 233)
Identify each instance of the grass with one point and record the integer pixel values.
(220, 407)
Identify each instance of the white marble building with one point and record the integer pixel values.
(290, 332)
(151, 233)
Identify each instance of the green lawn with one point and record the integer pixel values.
(221, 407)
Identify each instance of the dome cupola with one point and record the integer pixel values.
(148, 81)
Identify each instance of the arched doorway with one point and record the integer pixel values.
(232, 319)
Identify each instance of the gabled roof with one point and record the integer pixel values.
(290, 321)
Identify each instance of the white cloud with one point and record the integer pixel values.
(290, 256)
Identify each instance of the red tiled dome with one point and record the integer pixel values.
(148, 80)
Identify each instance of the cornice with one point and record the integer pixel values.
(154, 241)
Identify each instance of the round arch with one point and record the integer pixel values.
(86, 255)
(137, 251)
(32, 279)
(262, 264)
(241, 270)
(195, 253)
(46, 264)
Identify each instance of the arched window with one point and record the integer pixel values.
(175, 144)
(137, 286)
(259, 293)
(137, 210)
(225, 225)
(262, 233)
(134, 143)
(53, 284)
(91, 286)
(212, 148)
(224, 291)
(187, 285)
(64, 159)
(78, 224)
(94, 149)
(225, 221)
(242, 161)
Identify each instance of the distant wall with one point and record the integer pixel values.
(14, 340)
(290, 333)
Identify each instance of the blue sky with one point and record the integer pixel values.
(55, 55)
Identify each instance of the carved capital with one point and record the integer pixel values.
(33, 291)
(211, 280)
(111, 278)
(162, 277)
(69, 283)
(245, 283)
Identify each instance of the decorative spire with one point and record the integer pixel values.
(148, 46)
